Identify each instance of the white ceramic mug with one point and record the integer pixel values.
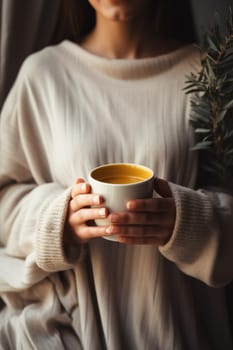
(118, 183)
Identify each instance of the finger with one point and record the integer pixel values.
(84, 200)
(139, 231)
(141, 240)
(162, 188)
(151, 204)
(79, 180)
(142, 218)
(84, 233)
(80, 188)
(87, 214)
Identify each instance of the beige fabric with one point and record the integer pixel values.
(68, 112)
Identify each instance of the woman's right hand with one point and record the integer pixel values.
(80, 225)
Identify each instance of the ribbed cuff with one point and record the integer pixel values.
(193, 226)
(50, 254)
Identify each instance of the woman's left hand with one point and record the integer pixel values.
(147, 221)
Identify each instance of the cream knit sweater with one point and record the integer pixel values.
(68, 112)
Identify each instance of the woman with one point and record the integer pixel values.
(115, 96)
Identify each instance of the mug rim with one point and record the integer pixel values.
(90, 177)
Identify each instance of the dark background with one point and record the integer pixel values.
(204, 10)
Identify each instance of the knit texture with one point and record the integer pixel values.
(68, 112)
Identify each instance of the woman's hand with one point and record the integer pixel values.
(79, 223)
(147, 221)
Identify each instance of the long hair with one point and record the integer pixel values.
(172, 18)
(175, 20)
(76, 19)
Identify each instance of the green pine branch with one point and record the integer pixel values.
(212, 103)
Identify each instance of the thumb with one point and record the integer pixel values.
(162, 188)
(79, 180)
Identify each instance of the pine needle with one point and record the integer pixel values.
(211, 92)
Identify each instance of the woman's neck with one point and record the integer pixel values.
(129, 39)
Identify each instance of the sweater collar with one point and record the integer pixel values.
(129, 69)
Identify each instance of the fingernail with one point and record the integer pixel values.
(111, 230)
(84, 187)
(108, 230)
(102, 212)
(131, 205)
(96, 200)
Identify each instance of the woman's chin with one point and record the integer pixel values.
(119, 14)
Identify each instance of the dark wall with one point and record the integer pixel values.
(204, 10)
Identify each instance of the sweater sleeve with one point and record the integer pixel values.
(33, 206)
(202, 241)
